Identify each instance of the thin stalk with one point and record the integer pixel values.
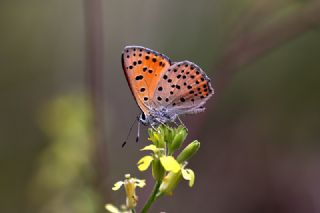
(152, 197)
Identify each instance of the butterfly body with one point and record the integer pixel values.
(157, 116)
(162, 89)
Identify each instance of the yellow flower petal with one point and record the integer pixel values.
(170, 164)
(150, 147)
(145, 162)
(140, 183)
(117, 185)
(111, 208)
(188, 174)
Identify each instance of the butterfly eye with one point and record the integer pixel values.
(143, 116)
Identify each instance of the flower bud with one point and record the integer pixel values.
(168, 134)
(178, 139)
(156, 137)
(161, 141)
(157, 169)
(170, 182)
(188, 151)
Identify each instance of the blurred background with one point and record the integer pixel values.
(66, 107)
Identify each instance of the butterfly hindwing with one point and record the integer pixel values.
(183, 88)
(143, 69)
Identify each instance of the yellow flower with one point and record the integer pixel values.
(113, 209)
(168, 162)
(171, 180)
(130, 185)
(144, 162)
(188, 174)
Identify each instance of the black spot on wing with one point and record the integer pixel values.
(139, 77)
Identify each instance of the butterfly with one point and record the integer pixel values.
(163, 89)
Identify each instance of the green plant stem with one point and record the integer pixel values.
(133, 210)
(152, 197)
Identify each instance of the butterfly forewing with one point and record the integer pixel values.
(143, 69)
(183, 88)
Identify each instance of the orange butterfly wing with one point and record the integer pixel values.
(143, 69)
(185, 86)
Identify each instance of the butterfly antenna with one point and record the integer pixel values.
(125, 142)
(138, 134)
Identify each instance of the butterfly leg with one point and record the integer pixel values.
(162, 123)
(181, 122)
(154, 128)
(175, 123)
(165, 124)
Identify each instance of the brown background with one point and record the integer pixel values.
(66, 107)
